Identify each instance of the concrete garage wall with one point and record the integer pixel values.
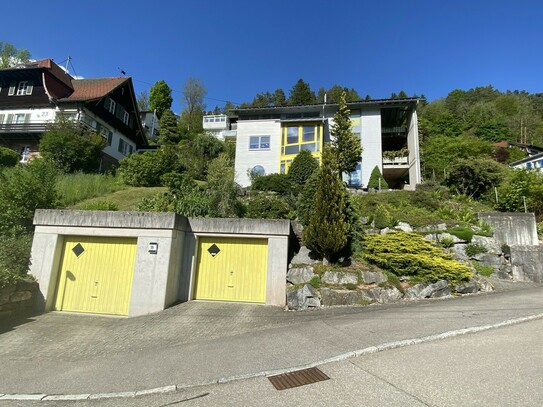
(160, 279)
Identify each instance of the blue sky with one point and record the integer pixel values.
(241, 47)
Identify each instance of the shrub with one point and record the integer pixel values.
(145, 169)
(306, 198)
(463, 233)
(485, 271)
(23, 189)
(303, 165)
(101, 205)
(374, 179)
(410, 254)
(72, 147)
(382, 217)
(474, 177)
(222, 190)
(473, 249)
(268, 207)
(315, 282)
(14, 256)
(8, 157)
(280, 183)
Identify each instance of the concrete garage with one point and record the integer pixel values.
(134, 263)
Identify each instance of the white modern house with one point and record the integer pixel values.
(533, 162)
(34, 94)
(268, 139)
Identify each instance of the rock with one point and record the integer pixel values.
(491, 244)
(27, 285)
(343, 297)
(385, 231)
(372, 277)
(433, 228)
(4, 296)
(406, 227)
(20, 296)
(425, 290)
(441, 226)
(300, 275)
(502, 275)
(459, 252)
(489, 259)
(449, 236)
(340, 278)
(484, 285)
(384, 295)
(303, 298)
(304, 256)
(432, 237)
(415, 291)
(436, 290)
(297, 228)
(468, 287)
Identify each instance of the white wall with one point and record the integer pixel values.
(246, 159)
(371, 143)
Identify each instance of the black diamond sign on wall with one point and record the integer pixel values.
(213, 250)
(78, 249)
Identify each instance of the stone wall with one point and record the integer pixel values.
(527, 263)
(19, 299)
(512, 228)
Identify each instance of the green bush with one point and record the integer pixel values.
(410, 254)
(374, 179)
(280, 183)
(303, 165)
(473, 249)
(315, 282)
(306, 198)
(463, 233)
(76, 187)
(382, 218)
(101, 205)
(146, 169)
(268, 207)
(8, 157)
(14, 256)
(23, 189)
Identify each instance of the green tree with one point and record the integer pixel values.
(11, 56)
(194, 93)
(328, 229)
(279, 98)
(376, 180)
(146, 169)
(304, 203)
(196, 154)
(8, 157)
(301, 94)
(72, 147)
(344, 144)
(222, 189)
(160, 97)
(474, 177)
(301, 168)
(24, 189)
(169, 132)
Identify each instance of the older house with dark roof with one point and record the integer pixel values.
(35, 94)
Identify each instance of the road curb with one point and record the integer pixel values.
(344, 356)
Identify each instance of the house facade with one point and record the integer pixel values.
(33, 95)
(533, 162)
(268, 139)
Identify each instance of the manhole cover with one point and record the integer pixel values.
(298, 378)
(78, 249)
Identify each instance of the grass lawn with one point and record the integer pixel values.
(126, 199)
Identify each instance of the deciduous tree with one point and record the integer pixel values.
(160, 97)
(11, 56)
(194, 93)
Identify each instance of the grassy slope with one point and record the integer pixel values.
(126, 199)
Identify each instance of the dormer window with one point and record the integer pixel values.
(23, 88)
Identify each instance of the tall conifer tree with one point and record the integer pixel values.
(346, 147)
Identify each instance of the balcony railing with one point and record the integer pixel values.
(22, 127)
(392, 161)
(394, 131)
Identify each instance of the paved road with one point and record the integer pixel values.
(198, 343)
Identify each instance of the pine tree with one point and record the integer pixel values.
(301, 94)
(374, 180)
(345, 146)
(169, 133)
(327, 232)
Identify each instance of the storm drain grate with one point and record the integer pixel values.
(298, 378)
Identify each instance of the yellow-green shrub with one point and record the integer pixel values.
(410, 254)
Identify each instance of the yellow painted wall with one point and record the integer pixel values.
(237, 273)
(99, 280)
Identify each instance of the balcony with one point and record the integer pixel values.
(396, 158)
(23, 128)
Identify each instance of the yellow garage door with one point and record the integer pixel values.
(231, 269)
(96, 275)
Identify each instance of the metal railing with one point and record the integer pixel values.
(22, 127)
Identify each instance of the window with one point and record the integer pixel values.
(126, 117)
(110, 105)
(308, 133)
(19, 118)
(299, 137)
(258, 170)
(23, 88)
(292, 135)
(259, 143)
(123, 146)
